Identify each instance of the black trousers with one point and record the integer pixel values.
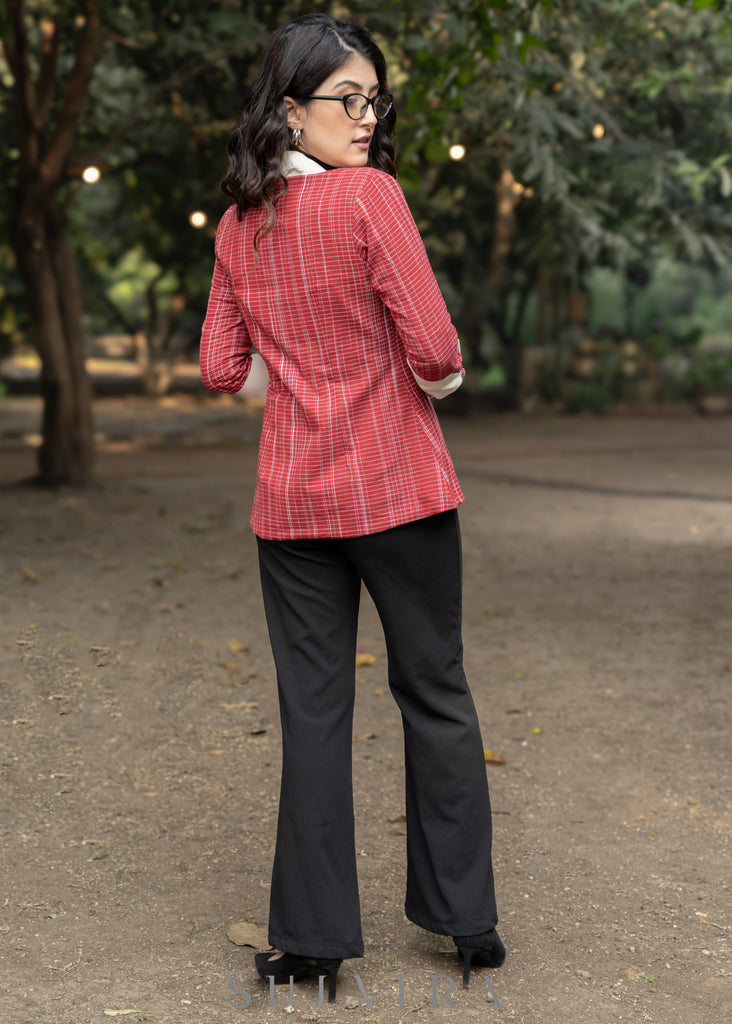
(311, 592)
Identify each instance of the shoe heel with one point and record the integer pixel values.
(467, 953)
(331, 967)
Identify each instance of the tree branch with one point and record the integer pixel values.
(75, 94)
(175, 80)
(602, 112)
(47, 76)
(23, 90)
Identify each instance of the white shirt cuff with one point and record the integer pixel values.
(440, 388)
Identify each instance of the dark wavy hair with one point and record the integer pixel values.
(297, 59)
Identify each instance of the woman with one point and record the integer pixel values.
(320, 268)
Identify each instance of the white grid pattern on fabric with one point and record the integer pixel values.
(341, 295)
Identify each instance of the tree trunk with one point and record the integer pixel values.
(47, 122)
(49, 272)
(154, 347)
(508, 193)
(507, 196)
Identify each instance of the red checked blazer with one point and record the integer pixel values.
(340, 297)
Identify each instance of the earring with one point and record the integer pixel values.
(296, 133)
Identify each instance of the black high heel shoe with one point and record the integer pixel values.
(482, 950)
(291, 965)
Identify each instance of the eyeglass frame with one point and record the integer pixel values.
(367, 100)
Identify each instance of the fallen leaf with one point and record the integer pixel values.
(365, 659)
(233, 666)
(200, 526)
(399, 822)
(28, 575)
(491, 757)
(235, 646)
(367, 736)
(102, 656)
(243, 933)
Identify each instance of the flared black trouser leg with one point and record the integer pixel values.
(311, 600)
(311, 592)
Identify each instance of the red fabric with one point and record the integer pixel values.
(340, 296)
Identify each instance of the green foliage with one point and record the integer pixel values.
(590, 396)
(163, 99)
(709, 373)
(678, 305)
(521, 84)
(617, 129)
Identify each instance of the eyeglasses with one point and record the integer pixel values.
(356, 104)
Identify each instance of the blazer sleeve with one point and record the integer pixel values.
(226, 348)
(400, 273)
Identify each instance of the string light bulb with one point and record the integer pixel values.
(91, 175)
(198, 219)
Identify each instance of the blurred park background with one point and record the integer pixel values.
(569, 165)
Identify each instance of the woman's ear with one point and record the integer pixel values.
(294, 113)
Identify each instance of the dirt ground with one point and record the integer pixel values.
(140, 738)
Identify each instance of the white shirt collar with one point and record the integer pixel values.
(294, 162)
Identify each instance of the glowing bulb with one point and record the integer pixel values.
(198, 219)
(457, 152)
(598, 131)
(91, 175)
